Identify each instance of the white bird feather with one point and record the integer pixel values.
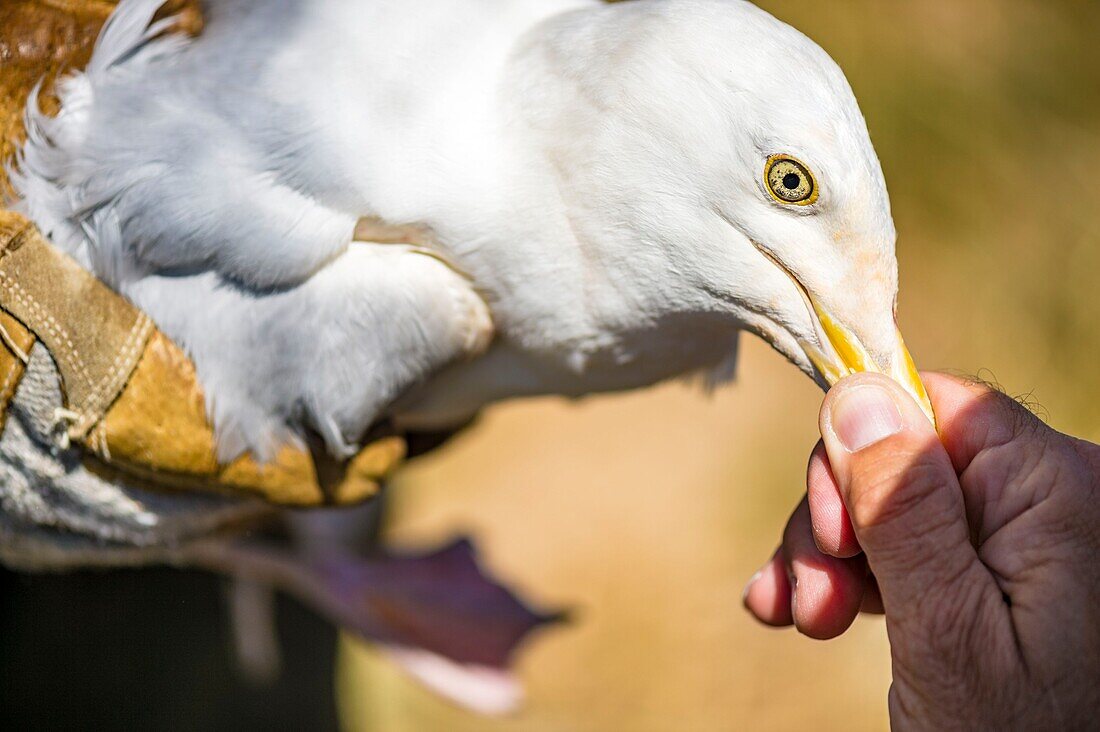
(594, 171)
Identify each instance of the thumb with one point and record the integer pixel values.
(903, 497)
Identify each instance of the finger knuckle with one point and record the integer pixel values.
(1019, 422)
(897, 493)
(1030, 470)
(997, 420)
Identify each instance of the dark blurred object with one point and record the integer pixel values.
(155, 649)
(150, 649)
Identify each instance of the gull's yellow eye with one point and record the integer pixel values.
(789, 181)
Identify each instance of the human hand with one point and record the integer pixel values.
(982, 546)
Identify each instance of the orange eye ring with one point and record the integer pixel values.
(790, 181)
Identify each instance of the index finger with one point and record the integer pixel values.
(832, 528)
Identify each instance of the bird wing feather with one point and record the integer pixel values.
(193, 192)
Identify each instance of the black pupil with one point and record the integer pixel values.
(792, 181)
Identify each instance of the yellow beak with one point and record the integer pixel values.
(846, 355)
(849, 356)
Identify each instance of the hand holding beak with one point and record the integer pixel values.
(979, 543)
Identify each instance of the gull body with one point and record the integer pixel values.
(593, 178)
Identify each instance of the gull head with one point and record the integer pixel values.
(718, 160)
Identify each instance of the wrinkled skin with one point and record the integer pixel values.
(983, 550)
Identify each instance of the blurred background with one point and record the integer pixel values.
(647, 513)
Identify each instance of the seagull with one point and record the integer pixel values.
(348, 211)
(356, 211)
